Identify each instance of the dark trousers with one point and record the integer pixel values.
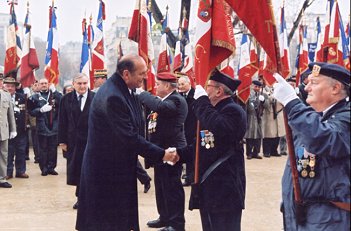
(283, 148)
(33, 131)
(47, 152)
(189, 172)
(142, 175)
(17, 153)
(221, 221)
(270, 146)
(170, 198)
(253, 147)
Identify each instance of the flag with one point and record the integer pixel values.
(29, 61)
(214, 38)
(13, 43)
(258, 17)
(163, 57)
(119, 51)
(51, 70)
(247, 68)
(85, 56)
(284, 48)
(312, 47)
(90, 39)
(302, 55)
(97, 47)
(177, 64)
(140, 32)
(227, 67)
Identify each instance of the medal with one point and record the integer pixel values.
(304, 173)
(208, 146)
(202, 133)
(312, 174)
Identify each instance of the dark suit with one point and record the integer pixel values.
(73, 131)
(222, 193)
(169, 132)
(108, 185)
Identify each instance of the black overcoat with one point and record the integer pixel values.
(73, 131)
(224, 188)
(108, 186)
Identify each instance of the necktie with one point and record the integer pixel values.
(80, 102)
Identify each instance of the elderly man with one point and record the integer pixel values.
(17, 146)
(73, 127)
(7, 131)
(108, 185)
(221, 188)
(166, 129)
(322, 150)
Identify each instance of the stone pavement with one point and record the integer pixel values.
(45, 203)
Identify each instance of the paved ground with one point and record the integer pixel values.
(45, 203)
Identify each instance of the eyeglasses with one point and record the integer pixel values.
(210, 85)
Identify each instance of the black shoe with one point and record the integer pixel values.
(283, 153)
(257, 157)
(75, 206)
(266, 155)
(156, 223)
(36, 161)
(276, 154)
(249, 157)
(168, 228)
(184, 176)
(52, 172)
(147, 187)
(44, 173)
(5, 185)
(186, 183)
(27, 158)
(23, 175)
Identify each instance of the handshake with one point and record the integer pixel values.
(171, 156)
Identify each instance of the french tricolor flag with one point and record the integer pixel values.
(284, 48)
(85, 56)
(29, 61)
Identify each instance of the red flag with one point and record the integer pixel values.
(302, 59)
(29, 61)
(214, 36)
(140, 32)
(177, 63)
(164, 64)
(258, 17)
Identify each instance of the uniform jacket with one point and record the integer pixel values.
(254, 121)
(73, 131)
(20, 112)
(190, 122)
(327, 137)
(273, 119)
(224, 188)
(43, 119)
(108, 184)
(7, 118)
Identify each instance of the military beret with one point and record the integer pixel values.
(167, 76)
(257, 83)
(220, 77)
(331, 70)
(10, 80)
(100, 73)
(305, 74)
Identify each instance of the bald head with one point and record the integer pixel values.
(133, 70)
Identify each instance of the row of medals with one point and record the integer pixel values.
(207, 139)
(152, 122)
(306, 166)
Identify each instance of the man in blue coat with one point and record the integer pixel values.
(322, 150)
(221, 191)
(108, 183)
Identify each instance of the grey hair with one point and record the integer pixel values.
(226, 89)
(185, 77)
(345, 90)
(79, 76)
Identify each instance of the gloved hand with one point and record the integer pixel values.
(199, 91)
(45, 108)
(139, 90)
(283, 91)
(13, 135)
(52, 88)
(261, 98)
(26, 91)
(297, 90)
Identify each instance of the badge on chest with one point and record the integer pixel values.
(306, 163)
(152, 122)
(207, 139)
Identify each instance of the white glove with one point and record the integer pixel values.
(13, 135)
(297, 90)
(199, 91)
(261, 98)
(283, 91)
(26, 91)
(170, 150)
(139, 90)
(52, 88)
(45, 108)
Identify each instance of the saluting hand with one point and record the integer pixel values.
(283, 91)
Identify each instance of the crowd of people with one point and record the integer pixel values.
(102, 131)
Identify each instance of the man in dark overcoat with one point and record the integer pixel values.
(166, 129)
(73, 127)
(108, 185)
(221, 188)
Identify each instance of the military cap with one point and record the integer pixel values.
(291, 79)
(305, 74)
(100, 73)
(257, 83)
(167, 76)
(225, 79)
(10, 80)
(331, 70)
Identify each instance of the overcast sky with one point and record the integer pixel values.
(71, 12)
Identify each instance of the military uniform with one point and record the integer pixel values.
(47, 128)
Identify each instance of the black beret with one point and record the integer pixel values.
(257, 83)
(220, 77)
(305, 74)
(331, 70)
